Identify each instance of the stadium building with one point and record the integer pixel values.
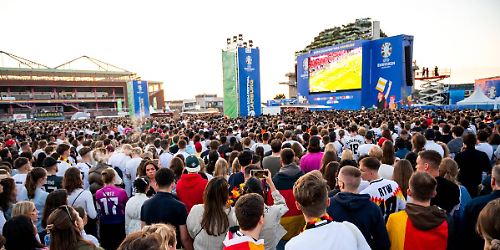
(30, 90)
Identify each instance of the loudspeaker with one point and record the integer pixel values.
(408, 66)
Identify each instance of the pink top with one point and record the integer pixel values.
(311, 161)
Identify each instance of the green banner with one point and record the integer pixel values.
(229, 84)
(119, 106)
(130, 94)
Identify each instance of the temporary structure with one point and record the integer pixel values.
(477, 98)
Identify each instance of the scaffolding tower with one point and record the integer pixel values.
(433, 90)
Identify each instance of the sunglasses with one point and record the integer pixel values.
(65, 208)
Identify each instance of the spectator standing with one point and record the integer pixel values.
(191, 185)
(163, 207)
(349, 205)
(321, 232)
(421, 225)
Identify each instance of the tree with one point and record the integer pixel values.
(279, 96)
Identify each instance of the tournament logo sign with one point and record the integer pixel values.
(386, 50)
(248, 60)
(305, 64)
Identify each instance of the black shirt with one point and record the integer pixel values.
(54, 182)
(448, 194)
(165, 208)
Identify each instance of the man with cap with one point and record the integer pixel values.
(191, 186)
(54, 182)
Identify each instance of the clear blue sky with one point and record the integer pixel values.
(179, 42)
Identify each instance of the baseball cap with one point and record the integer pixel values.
(10, 143)
(192, 164)
(49, 162)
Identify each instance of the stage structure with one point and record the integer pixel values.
(241, 78)
(358, 74)
(433, 92)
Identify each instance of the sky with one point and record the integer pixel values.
(180, 42)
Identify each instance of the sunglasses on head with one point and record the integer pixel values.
(65, 208)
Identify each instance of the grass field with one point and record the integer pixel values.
(337, 76)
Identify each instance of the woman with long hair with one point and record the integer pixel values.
(221, 168)
(312, 159)
(273, 231)
(33, 191)
(54, 200)
(448, 169)
(177, 166)
(64, 225)
(111, 202)
(387, 160)
(488, 225)
(8, 196)
(418, 142)
(209, 222)
(133, 207)
(20, 234)
(79, 197)
(401, 175)
(330, 175)
(148, 169)
(328, 156)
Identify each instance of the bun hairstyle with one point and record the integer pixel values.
(108, 176)
(141, 184)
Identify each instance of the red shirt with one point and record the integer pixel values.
(190, 190)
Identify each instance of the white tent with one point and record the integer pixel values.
(477, 98)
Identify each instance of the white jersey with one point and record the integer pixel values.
(352, 143)
(387, 195)
(84, 170)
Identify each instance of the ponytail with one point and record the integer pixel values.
(32, 180)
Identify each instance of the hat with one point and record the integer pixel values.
(192, 164)
(198, 147)
(49, 162)
(10, 143)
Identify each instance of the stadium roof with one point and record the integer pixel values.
(82, 68)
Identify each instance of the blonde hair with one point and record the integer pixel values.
(236, 167)
(446, 150)
(166, 232)
(100, 155)
(221, 167)
(347, 155)
(376, 152)
(23, 208)
(448, 169)
(330, 147)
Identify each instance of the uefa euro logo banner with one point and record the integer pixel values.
(138, 98)
(249, 82)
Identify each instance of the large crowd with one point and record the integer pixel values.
(405, 179)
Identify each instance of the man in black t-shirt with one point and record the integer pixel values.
(447, 193)
(164, 207)
(54, 182)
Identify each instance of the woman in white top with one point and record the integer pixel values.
(77, 196)
(273, 231)
(208, 223)
(134, 205)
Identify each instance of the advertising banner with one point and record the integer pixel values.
(387, 72)
(119, 107)
(140, 101)
(230, 90)
(249, 82)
